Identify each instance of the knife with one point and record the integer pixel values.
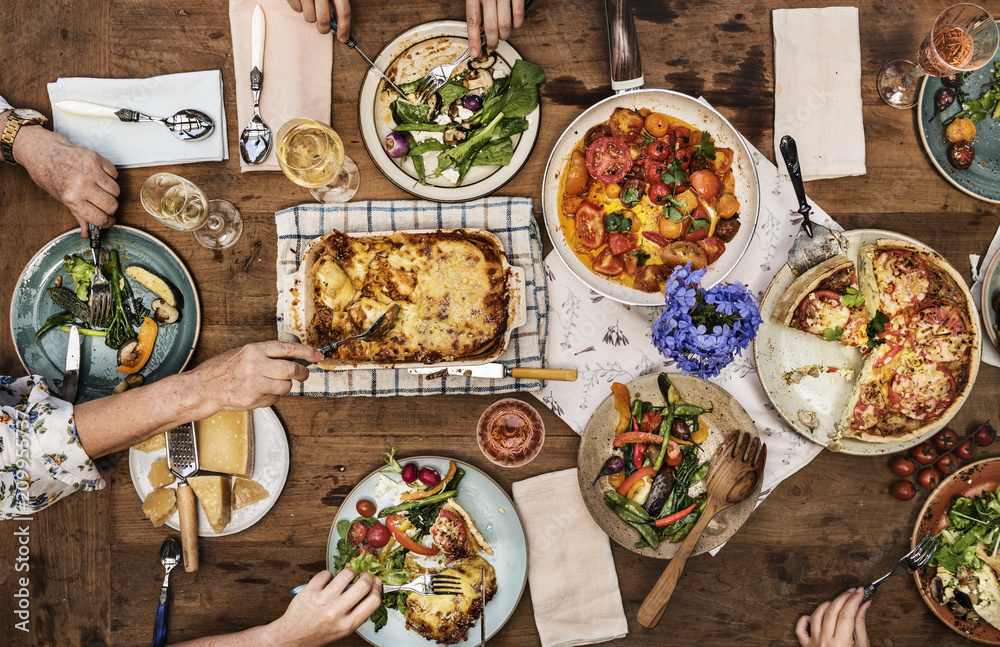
(71, 378)
(496, 370)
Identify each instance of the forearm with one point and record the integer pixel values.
(119, 421)
(255, 637)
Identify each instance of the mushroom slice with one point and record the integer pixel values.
(478, 79)
(484, 61)
(129, 352)
(434, 103)
(164, 313)
(454, 136)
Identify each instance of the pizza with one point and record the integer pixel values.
(911, 315)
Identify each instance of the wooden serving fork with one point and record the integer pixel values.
(735, 470)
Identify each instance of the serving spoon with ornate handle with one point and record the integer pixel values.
(186, 125)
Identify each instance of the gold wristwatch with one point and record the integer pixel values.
(15, 119)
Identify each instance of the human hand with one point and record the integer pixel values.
(318, 11)
(78, 177)
(251, 376)
(837, 623)
(324, 611)
(495, 18)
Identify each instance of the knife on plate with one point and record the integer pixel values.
(71, 378)
(496, 370)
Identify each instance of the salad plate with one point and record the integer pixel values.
(727, 416)
(970, 481)
(497, 518)
(30, 306)
(407, 58)
(271, 462)
(982, 179)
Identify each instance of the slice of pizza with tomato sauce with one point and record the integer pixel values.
(826, 301)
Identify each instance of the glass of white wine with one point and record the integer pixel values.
(312, 155)
(179, 204)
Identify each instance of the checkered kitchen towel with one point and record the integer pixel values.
(510, 219)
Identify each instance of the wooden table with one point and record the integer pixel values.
(94, 571)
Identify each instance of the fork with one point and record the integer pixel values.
(426, 584)
(910, 562)
(100, 288)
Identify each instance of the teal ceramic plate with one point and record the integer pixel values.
(497, 518)
(982, 179)
(31, 306)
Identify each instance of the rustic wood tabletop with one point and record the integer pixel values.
(94, 568)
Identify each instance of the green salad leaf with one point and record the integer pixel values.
(495, 153)
(515, 95)
(410, 113)
(450, 91)
(82, 274)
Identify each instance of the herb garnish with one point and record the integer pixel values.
(833, 334)
(640, 257)
(674, 174)
(875, 327)
(617, 222)
(672, 210)
(706, 147)
(853, 298)
(630, 197)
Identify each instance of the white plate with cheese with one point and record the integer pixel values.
(270, 469)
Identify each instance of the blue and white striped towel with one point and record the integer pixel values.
(510, 219)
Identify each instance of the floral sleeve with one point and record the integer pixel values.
(41, 457)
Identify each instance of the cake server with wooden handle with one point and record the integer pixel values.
(182, 455)
(496, 371)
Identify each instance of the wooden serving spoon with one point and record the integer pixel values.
(735, 470)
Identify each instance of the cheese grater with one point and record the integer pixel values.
(182, 459)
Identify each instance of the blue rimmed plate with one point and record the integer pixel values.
(31, 306)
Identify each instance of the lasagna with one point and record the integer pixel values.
(451, 286)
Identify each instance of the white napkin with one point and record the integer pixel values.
(131, 145)
(979, 266)
(574, 585)
(817, 89)
(607, 341)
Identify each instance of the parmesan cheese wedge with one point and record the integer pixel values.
(159, 505)
(225, 443)
(247, 492)
(153, 444)
(160, 475)
(216, 496)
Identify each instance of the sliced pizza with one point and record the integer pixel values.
(826, 301)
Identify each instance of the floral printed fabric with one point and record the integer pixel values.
(41, 457)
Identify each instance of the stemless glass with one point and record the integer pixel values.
(179, 204)
(964, 38)
(312, 155)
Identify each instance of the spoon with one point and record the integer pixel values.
(170, 556)
(186, 125)
(255, 141)
(731, 478)
(379, 329)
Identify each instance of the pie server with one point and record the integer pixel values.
(495, 371)
(182, 456)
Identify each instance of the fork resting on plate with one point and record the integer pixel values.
(910, 562)
(426, 584)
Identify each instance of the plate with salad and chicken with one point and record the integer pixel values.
(467, 139)
(644, 457)
(429, 514)
(156, 315)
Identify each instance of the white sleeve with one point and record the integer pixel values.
(4, 105)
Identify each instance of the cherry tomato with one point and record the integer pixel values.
(706, 184)
(656, 124)
(366, 548)
(683, 156)
(947, 464)
(903, 490)
(576, 174)
(967, 450)
(945, 440)
(695, 235)
(357, 533)
(613, 190)
(655, 170)
(590, 226)
(595, 133)
(619, 243)
(924, 453)
(366, 508)
(378, 536)
(608, 160)
(608, 264)
(679, 136)
(985, 435)
(902, 466)
(927, 478)
(658, 193)
(961, 154)
(660, 151)
(713, 248)
(626, 124)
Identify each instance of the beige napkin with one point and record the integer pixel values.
(298, 64)
(817, 90)
(574, 585)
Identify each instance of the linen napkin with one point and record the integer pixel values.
(510, 219)
(133, 145)
(298, 65)
(607, 341)
(979, 267)
(574, 585)
(817, 89)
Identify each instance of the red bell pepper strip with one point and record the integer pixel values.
(627, 484)
(675, 517)
(393, 524)
(636, 437)
(638, 451)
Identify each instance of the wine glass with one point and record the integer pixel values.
(964, 37)
(179, 204)
(312, 155)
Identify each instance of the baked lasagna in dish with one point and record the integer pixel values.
(451, 286)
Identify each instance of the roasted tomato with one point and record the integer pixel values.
(619, 243)
(728, 206)
(608, 160)
(694, 235)
(679, 136)
(679, 253)
(655, 170)
(713, 248)
(576, 174)
(924, 453)
(613, 190)
(608, 264)
(944, 440)
(632, 192)
(660, 151)
(927, 478)
(656, 124)
(902, 466)
(655, 238)
(590, 226)
(903, 490)
(626, 124)
(649, 278)
(706, 184)
(967, 450)
(570, 203)
(723, 160)
(683, 156)
(961, 155)
(727, 229)
(658, 193)
(595, 133)
(671, 229)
